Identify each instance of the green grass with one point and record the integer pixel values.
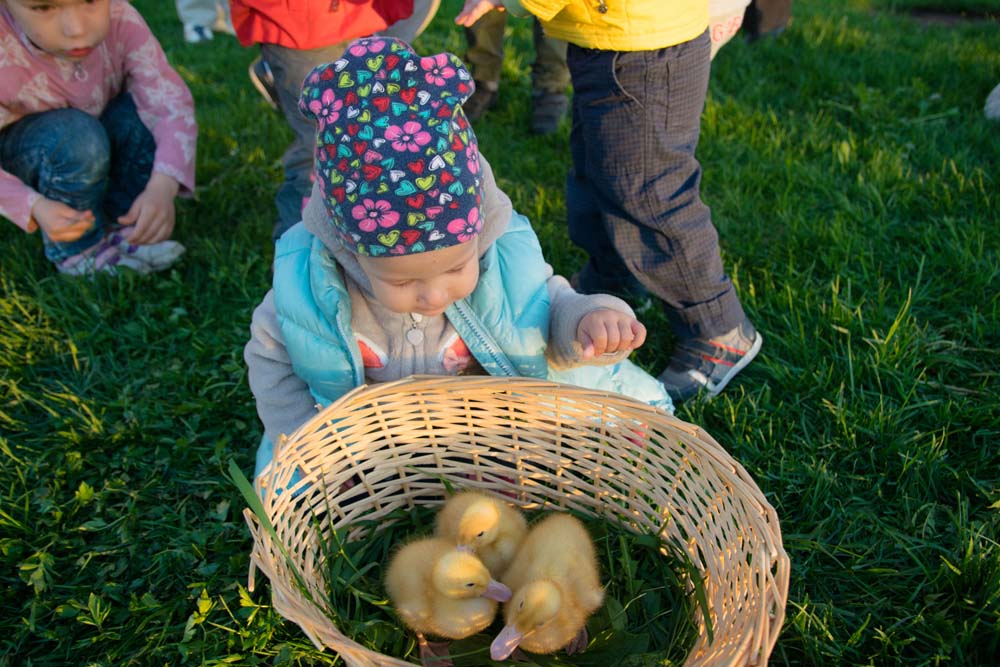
(960, 8)
(854, 183)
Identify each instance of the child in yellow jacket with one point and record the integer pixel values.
(640, 76)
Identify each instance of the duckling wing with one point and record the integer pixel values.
(559, 548)
(582, 576)
(407, 583)
(510, 536)
(588, 591)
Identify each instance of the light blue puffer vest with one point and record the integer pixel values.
(504, 322)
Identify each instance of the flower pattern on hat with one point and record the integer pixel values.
(396, 159)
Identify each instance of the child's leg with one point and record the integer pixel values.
(605, 271)
(65, 156)
(549, 72)
(485, 58)
(224, 21)
(198, 17)
(197, 12)
(549, 79)
(132, 152)
(290, 68)
(635, 132)
(485, 52)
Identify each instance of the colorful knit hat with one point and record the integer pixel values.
(396, 159)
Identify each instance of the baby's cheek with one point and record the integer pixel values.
(391, 299)
(471, 281)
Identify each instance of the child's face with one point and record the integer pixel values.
(64, 28)
(427, 282)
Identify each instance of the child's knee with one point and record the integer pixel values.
(81, 152)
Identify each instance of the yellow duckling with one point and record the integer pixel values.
(556, 587)
(488, 526)
(439, 590)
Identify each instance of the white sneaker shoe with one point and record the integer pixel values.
(194, 34)
(150, 258)
(101, 258)
(114, 253)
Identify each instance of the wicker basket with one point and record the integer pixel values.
(545, 445)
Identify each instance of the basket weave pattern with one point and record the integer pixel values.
(545, 446)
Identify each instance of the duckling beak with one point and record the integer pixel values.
(496, 591)
(505, 643)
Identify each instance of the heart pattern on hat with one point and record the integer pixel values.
(396, 159)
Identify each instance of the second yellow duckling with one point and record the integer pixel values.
(439, 590)
(556, 587)
(490, 527)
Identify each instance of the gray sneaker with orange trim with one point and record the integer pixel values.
(704, 366)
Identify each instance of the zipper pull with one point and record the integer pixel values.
(415, 335)
(602, 7)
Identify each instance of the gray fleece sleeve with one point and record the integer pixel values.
(567, 309)
(284, 401)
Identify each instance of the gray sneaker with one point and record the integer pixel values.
(706, 365)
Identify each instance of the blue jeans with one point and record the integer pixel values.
(632, 194)
(96, 164)
(290, 68)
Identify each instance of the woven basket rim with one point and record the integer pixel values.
(527, 437)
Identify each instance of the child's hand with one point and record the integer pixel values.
(60, 222)
(474, 9)
(608, 331)
(152, 212)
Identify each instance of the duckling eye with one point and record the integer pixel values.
(520, 605)
(470, 584)
(481, 533)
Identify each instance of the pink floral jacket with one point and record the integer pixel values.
(129, 59)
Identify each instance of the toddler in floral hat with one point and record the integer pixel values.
(409, 259)
(396, 160)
